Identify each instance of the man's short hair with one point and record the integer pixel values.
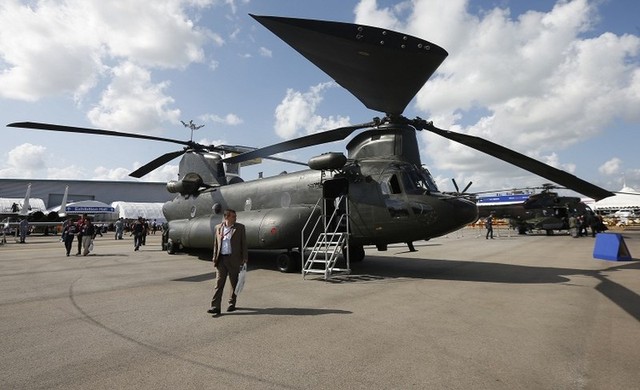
(227, 212)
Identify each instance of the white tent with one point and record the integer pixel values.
(133, 210)
(628, 198)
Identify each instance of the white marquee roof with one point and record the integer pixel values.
(133, 210)
(627, 199)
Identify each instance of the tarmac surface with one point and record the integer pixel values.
(462, 312)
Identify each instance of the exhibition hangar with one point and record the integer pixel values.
(52, 191)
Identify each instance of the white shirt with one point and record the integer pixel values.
(225, 248)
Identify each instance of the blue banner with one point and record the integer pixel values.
(90, 209)
(520, 198)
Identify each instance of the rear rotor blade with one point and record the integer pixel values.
(239, 149)
(85, 130)
(520, 160)
(150, 166)
(297, 143)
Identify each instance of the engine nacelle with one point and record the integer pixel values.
(328, 161)
(36, 216)
(190, 185)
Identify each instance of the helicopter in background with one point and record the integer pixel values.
(527, 210)
(391, 197)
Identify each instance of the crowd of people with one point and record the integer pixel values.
(579, 225)
(84, 232)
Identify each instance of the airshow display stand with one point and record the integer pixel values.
(611, 246)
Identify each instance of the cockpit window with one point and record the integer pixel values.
(418, 181)
(390, 185)
(414, 180)
(429, 179)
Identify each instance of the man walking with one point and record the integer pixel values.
(230, 252)
(488, 223)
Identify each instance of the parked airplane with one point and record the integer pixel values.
(17, 211)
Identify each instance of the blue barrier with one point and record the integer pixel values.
(611, 246)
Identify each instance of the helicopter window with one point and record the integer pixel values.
(394, 185)
(428, 179)
(389, 184)
(384, 186)
(415, 183)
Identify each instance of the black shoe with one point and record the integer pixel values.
(213, 310)
(231, 308)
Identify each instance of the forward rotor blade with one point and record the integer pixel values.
(455, 185)
(520, 160)
(150, 166)
(297, 143)
(467, 187)
(85, 130)
(383, 69)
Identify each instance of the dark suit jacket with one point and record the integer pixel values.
(239, 249)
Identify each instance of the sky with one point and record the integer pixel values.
(556, 80)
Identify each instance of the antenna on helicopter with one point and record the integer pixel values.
(192, 126)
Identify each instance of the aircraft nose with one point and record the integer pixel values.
(466, 211)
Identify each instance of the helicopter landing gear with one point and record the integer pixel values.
(288, 262)
(356, 253)
(171, 247)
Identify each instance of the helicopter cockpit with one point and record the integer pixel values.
(415, 181)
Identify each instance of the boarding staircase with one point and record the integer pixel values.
(331, 233)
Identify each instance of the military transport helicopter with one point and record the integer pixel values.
(391, 197)
(527, 210)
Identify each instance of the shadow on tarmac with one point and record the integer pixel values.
(376, 269)
(285, 311)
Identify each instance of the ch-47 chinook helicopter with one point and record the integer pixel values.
(527, 211)
(391, 197)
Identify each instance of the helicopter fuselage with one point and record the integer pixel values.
(389, 202)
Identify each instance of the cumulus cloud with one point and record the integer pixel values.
(165, 173)
(297, 111)
(35, 161)
(229, 119)
(611, 167)
(133, 102)
(265, 52)
(28, 157)
(51, 48)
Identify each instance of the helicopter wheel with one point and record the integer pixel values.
(288, 262)
(356, 253)
(171, 247)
